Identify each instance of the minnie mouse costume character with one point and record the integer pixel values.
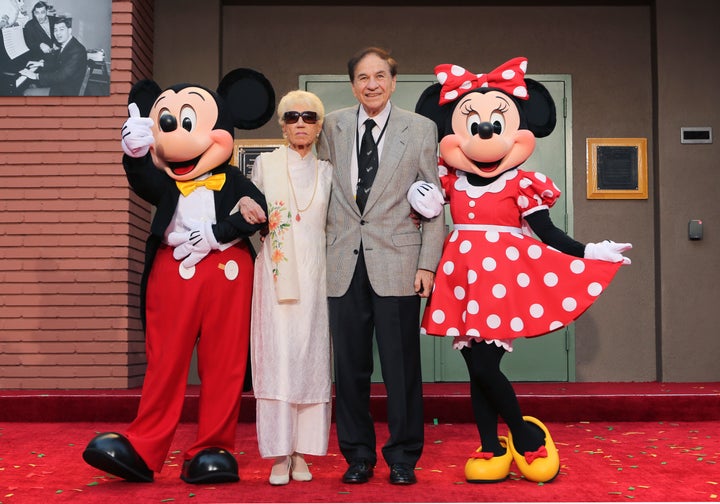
(197, 283)
(495, 282)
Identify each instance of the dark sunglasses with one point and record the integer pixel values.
(293, 116)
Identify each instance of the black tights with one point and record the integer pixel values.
(492, 394)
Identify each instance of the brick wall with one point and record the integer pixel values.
(71, 231)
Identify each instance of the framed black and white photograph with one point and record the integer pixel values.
(55, 47)
(246, 151)
(617, 168)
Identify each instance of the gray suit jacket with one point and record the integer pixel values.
(394, 248)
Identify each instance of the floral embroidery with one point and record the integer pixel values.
(279, 220)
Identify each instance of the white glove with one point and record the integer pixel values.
(192, 246)
(426, 199)
(136, 133)
(608, 251)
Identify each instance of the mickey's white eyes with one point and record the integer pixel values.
(188, 118)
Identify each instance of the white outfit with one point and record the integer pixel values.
(290, 341)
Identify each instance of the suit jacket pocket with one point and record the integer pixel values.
(406, 239)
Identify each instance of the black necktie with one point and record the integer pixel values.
(367, 165)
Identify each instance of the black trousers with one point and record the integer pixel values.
(395, 321)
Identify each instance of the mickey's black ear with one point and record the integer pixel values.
(144, 93)
(539, 109)
(428, 106)
(249, 97)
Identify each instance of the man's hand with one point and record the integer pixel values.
(251, 211)
(424, 280)
(136, 133)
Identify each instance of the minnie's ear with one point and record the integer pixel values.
(144, 93)
(249, 97)
(428, 106)
(539, 109)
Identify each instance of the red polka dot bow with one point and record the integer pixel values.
(508, 77)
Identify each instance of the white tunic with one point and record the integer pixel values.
(290, 342)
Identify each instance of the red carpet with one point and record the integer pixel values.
(601, 461)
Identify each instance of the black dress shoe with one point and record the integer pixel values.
(112, 452)
(359, 472)
(402, 474)
(211, 465)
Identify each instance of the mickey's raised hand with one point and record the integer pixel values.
(136, 133)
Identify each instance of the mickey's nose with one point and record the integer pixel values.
(168, 123)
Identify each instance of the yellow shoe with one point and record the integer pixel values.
(483, 467)
(542, 465)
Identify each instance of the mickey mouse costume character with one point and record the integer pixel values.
(495, 282)
(197, 283)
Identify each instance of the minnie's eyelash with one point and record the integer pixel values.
(467, 108)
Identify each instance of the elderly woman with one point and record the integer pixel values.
(290, 337)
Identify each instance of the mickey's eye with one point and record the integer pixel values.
(188, 118)
(473, 124)
(167, 121)
(498, 122)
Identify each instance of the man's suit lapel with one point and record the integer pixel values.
(346, 133)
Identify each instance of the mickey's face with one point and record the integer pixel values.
(186, 143)
(486, 138)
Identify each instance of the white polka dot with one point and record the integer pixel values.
(523, 202)
(594, 289)
(550, 279)
(536, 310)
(523, 66)
(569, 304)
(442, 77)
(577, 266)
(473, 332)
(453, 236)
(540, 176)
(492, 236)
(465, 247)
(547, 193)
(471, 216)
(438, 316)
(523, 279)
(472, 204)
(534, 251)
(451, 95)
(459, 293)
(464, 316)
(472, 277)
(489, 264)
(520, 92)
(508, 74)
(499, 291)
(453, 331)
(493, 321)
(423, 330)
(473, 307)
(555, 325)
(516, 324)
(512, 253)
(448, 267)
(525, 182)
(457, 70)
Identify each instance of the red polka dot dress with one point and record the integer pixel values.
(495, 281)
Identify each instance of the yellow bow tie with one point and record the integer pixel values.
(214, 183)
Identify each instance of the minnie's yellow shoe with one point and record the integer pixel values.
(483, 467)
(542, 465)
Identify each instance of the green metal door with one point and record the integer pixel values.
(547, 358)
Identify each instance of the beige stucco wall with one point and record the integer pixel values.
(629, 68)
